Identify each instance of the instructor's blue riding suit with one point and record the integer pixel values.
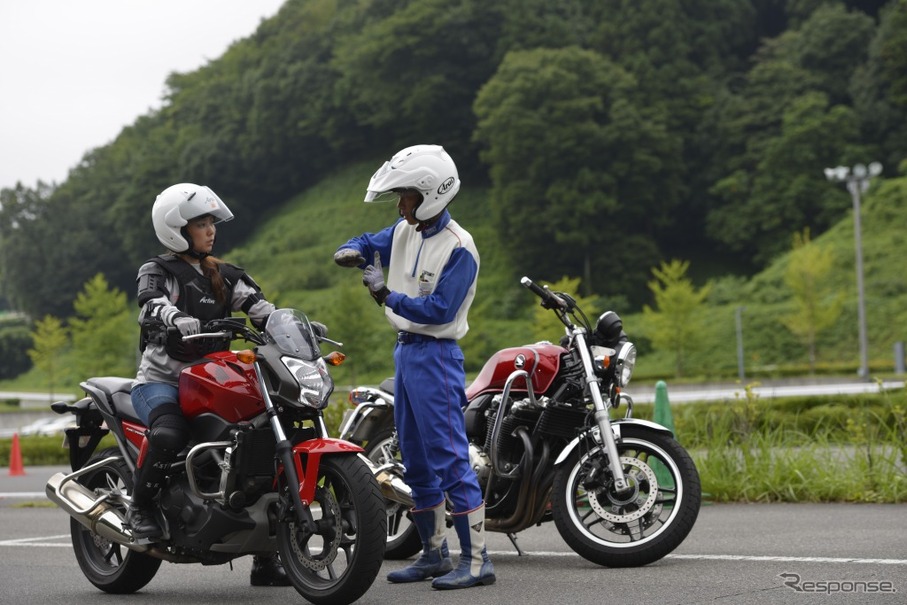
(432, 278)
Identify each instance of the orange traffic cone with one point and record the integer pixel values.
(15, 458)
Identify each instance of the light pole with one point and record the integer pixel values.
(857, 179)
(739, 325)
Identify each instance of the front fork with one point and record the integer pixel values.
(602, 418)
(285, 453)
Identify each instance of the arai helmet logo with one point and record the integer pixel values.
(520, 361)
(446, 185)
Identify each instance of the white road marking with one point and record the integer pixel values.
(44, 542)
(785, 559)
(38, 541)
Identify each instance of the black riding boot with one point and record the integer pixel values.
(142, 512)
(267, 570)
(167, 436)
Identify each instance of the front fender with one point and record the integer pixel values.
(616, 429)
(312, 450)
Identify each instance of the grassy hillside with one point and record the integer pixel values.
(770, 349)
(290, 255)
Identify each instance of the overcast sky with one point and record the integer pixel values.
(73, 73)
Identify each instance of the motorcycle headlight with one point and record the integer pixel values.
(315, 383)
(626, 361)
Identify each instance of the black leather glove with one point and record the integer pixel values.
(319, 328)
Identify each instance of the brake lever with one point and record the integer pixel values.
(221, 334)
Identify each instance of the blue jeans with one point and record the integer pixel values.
(149, 395)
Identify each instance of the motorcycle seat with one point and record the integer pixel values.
(119, 394)
(387, 385)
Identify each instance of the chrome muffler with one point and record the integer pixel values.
(89, 509)
(392, 485)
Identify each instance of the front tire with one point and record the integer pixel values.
(338, 563)
(403, 539)
(629, 529)
(109, 566)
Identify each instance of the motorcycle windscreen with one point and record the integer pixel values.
(291, 332)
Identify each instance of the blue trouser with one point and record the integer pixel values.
(429, 394)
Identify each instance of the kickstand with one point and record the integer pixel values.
(519, 551)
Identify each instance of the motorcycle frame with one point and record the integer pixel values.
(377, 410)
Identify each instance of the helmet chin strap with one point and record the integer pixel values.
(197, 255)
(423, 225)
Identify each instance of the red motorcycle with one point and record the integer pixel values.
(260, 474)
(621, 492)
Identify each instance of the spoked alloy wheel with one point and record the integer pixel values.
(636, 527)
(402, 537)
(338, 563)
(109, 566)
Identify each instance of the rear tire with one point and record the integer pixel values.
(109, 566)
(337, 564)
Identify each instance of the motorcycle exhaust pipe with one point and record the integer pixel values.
(92, 511)
(392, 486)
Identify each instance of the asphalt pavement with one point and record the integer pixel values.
(737, 554)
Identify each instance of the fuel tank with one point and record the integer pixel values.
(220, 385)
(542, 361)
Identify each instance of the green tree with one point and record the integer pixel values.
(790, 119)
(817, 305)
(567, 148)
(15, 340)
(50, 338)
(879, 87)
(675, 323)
(367, 338)
(412, 74)
(104, 334)
(785, 186)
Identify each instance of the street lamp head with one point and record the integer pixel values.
(830, 174)
(842, 172)
(859, 171)
(875, 169)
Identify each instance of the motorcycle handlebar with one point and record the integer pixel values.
(549, 299)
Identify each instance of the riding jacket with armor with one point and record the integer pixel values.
(168, 288)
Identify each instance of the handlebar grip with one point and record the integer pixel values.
(549, 299)
(534, 287)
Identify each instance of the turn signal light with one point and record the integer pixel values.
(246, 356)
(335, 358)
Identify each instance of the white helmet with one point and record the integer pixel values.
(426, 168)
(177, 205)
